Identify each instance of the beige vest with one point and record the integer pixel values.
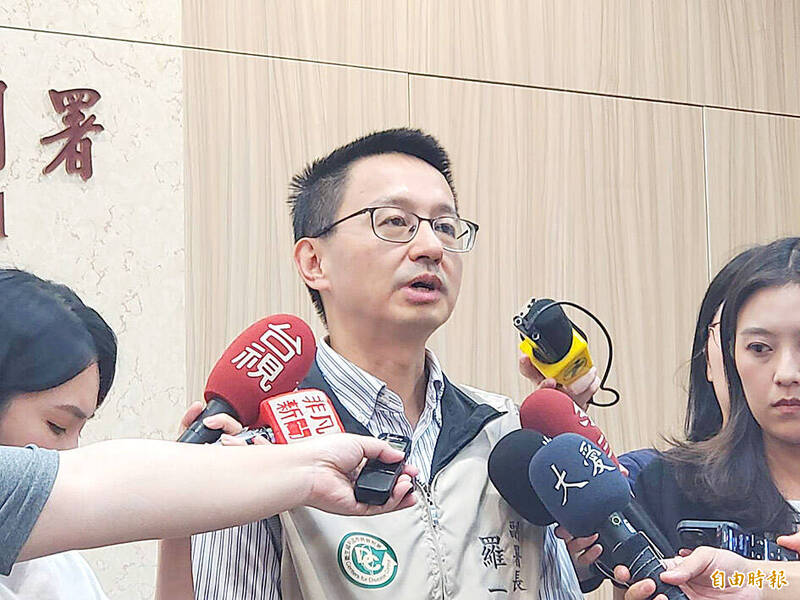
(460, 540)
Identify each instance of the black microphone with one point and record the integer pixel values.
(553, 412)
(587, 494)
(508, 465)
(508, 468)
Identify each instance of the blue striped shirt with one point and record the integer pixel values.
(380, 410)
(243, 563)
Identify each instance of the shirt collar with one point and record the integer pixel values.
(359, 391)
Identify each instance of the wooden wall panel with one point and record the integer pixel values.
(357, 32)
(642, 49)
(581, 198)
(251, 123)
(728, 53)
(753, 180)
(751, 54)
(732, 53)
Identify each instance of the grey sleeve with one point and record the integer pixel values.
(26, 480)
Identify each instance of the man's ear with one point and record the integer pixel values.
(308, 259)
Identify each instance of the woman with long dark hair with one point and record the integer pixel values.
(708, 399)
(748, 472)
(707, 406)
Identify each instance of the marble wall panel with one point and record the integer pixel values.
(127, 19)
(117, 238)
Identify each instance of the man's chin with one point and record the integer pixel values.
(421, 317)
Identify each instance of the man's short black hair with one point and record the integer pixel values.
(315, 193)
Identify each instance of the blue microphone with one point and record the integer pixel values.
(586, 493)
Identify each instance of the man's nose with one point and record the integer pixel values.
(426, 244)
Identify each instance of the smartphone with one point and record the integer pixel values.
(730, 536)
(694, 533)
(376, 481)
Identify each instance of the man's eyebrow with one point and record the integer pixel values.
(403, 202)
(74, 410)
(445, 208)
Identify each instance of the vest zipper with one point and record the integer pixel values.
(433, 515)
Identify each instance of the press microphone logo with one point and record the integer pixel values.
(299, 415)
(584, 420)
(268, 358)
(562, 483)
(594, 456)
(575, 368)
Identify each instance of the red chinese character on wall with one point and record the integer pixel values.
(2, 157)
(77, 151)
(2, 126)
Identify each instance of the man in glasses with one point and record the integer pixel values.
(380, 245)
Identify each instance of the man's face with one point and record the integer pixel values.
(409, 287)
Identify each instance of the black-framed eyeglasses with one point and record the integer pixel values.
(395, 224)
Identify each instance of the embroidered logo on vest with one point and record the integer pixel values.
(367, 560)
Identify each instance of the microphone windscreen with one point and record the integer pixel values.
(270, 357)
(553, 412)
(578, 483)
(552, 325)
(508, 471)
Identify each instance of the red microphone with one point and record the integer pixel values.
(269, 358)
(299, 415)
(552, 412)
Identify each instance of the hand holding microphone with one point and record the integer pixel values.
(694, 572)
(254, 384)
(270, 357)
(328, 463)
(552, 412)
(586, 493)
(556, 354)
(580, 391)
(228, 427)
(336, 461)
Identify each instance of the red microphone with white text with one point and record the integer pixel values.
(552, 412)
(269, 358)
(309, 413)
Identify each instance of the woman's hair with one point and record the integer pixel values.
(729, 470)
(703, 414)
(48, 336)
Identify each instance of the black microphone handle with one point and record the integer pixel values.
(197, 433)
(632, 548)
(641, 521)
(643, 563)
